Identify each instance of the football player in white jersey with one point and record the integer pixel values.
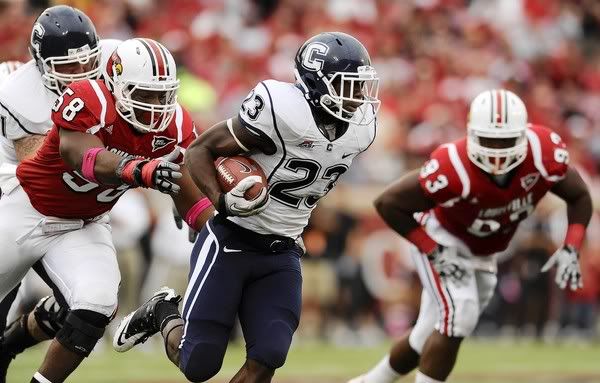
(6, 68)
(246, 260)
(64, 48)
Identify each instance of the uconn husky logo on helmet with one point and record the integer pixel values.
(311, 59)
(64, 35)
(333, 70)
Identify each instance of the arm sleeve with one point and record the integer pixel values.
(189, 132)
(188, 135)
(13, 126)
(257, 114)
(550, 154)
(438, 179)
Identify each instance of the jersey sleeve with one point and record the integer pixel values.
(438, 178)
(550, 154)
(257, 115)
(188, 130)
(14, 126)
(79, 108)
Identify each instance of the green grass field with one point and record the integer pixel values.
(480, 361)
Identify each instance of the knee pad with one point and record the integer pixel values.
(271, 351)
(49, 315)
(81, 331)
(204, 362)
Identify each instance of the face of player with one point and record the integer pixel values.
(498, 143)
(150, 97)
(355, 93)
(75, 68)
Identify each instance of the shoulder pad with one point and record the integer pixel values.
(550, 154)
(85, 106)
(24, 93)
(182, 127)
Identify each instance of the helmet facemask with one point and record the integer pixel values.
(56, 80)
(143, 115)
(348, 92)
(497, 154)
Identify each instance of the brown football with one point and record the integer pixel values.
(231, 170)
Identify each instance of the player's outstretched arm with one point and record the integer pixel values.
(27, 146)
(575, 193)
(74, 145)
(225, 139)
(85, 152)
(573, 190)
(397, 204)
(191, 203)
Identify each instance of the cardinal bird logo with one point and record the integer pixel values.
(114, 63)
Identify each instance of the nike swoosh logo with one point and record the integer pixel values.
(347, 155)
(228, 250)
(245, 169)
(119, 340)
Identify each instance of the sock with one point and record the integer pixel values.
(422, 378)
(170, 325)
(39, 378)
(17, 338)
(165, 312)
(382, 372)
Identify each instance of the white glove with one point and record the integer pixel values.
(567, 269)
(234, 203)
(448, 265)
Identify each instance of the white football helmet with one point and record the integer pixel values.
(497, 114)
(147, 66)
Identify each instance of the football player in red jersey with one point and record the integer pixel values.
(471, 196)
(108, 136)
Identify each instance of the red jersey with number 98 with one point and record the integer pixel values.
(476, 210)
(55, 189)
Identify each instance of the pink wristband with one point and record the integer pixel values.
(421, 240)
(195, 211)
(87, 165)
(575, 234)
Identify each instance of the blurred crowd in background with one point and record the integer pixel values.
(433, 57)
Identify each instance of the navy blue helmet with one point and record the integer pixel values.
(334, 71)
(62, 36)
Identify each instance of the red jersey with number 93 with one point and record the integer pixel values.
(55, 189)
(476, 210)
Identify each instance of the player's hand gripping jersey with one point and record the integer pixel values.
(476, 210)
(55, 189)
